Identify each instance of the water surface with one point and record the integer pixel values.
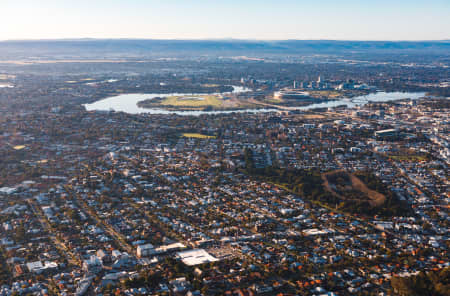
(128, 102)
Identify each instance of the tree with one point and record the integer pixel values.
(435, 283)
(20, 233)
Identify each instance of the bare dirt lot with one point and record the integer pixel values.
(347, 186)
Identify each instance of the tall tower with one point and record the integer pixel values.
(319, 79)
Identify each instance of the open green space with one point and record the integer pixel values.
(410, 158)
(197, 136)
(193, 101)
(357, 193)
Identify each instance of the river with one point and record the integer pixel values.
(128, 103)
(6, 85)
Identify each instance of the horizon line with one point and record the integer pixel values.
(221, 39)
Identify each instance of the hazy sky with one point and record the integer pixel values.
(243, 19)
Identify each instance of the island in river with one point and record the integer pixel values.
(214, 102)
(204, 102)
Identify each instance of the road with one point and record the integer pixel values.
(71, 257)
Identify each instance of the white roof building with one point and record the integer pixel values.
(196, 257)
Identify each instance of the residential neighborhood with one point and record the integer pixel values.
(102, 203)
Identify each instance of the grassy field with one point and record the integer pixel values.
(210, 85)
(313, 116)
(202, 101)
(271, 100)
(325, 93)
(206, 102)
(347, 186)
(409, 158)
(197, 136)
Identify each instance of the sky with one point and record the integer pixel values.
(219, 19)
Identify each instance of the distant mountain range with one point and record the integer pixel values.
(117, 48)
